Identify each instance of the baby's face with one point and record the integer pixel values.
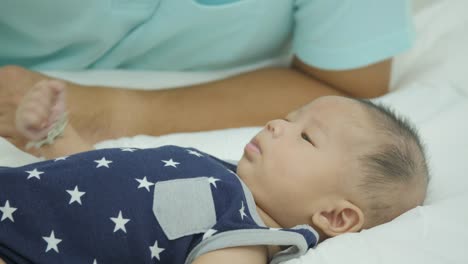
(294, 166)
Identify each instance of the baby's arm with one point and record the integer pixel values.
(37, 114)
(235, 255)
(69, 143)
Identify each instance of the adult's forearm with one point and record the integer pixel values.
(249, 99)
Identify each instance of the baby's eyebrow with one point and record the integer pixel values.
(322, 127)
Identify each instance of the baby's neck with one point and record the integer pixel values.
(270, 222)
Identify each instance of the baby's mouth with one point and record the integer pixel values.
(254, 146)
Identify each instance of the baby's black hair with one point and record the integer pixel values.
(398, 161)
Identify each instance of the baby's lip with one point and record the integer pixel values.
(256, 143)
(252, 149)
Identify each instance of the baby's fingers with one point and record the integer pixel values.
(57, 108)
(33, 113)
(31, 124)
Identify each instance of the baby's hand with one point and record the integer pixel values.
(40, 108)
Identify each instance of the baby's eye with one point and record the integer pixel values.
(306, 138)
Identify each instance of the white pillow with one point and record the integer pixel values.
(431, 234)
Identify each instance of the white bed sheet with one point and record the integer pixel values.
(430, 87)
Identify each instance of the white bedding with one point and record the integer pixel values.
(430, 86)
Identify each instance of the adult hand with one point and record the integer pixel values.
(92, 111)
(15, 81)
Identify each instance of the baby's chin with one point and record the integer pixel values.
(241, 167)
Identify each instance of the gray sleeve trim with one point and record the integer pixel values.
(251, 237)
(251, 205)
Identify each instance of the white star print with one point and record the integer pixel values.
(213, 181)
(128, 149)
(194, 153)
(144, 183)
(7, 211)
(61, 158)
(34, 173)
(170, 163)
(209, 233)
(103, 162)
(75, 195)
(155, 250)
(95, 262)
(52, 242)
(242, 211)
(120, 222)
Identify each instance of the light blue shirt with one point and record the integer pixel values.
(199, 34)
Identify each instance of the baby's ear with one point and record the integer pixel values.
(344, 217)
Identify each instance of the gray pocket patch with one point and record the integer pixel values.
(184, 206)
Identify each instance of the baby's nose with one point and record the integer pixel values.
(276, 127)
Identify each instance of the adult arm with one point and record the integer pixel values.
(249, 99)
(366, 82)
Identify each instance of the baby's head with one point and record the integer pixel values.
(338, 164)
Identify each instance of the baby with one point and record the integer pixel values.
(335, 165)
